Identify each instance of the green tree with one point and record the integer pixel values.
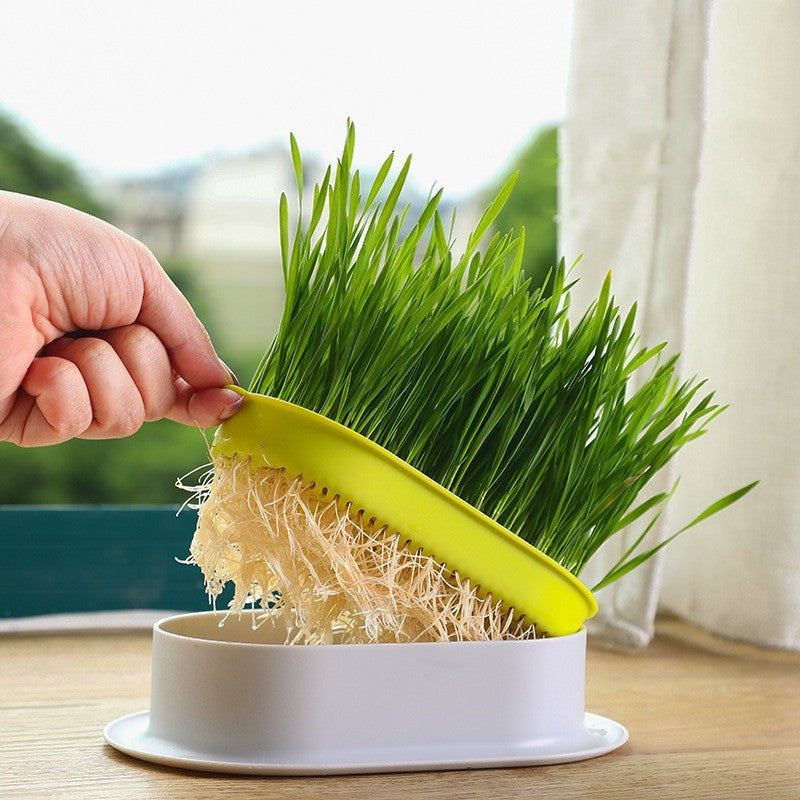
(533, 202)
(26, 167)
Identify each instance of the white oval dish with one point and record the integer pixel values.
(233, 699)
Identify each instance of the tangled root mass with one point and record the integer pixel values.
(331, 573)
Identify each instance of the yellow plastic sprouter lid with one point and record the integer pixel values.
(276, 433)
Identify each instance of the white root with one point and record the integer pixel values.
(332, 574)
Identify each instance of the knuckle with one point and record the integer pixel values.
(72, 420)
(127, 422)
(159, 407)
(137, 338)
(147, 263)
(53, 370)
(72, 414)
(88, 348)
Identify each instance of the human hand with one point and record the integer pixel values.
(94, 337)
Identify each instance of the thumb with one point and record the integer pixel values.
(168, 314)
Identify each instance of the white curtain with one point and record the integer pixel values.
(680, 170)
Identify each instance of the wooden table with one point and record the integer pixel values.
(707, 718)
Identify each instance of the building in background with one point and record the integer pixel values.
(230, 236)
(219, 219)
(152, 209)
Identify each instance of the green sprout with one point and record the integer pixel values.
(461, 368)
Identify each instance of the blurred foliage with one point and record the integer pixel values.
(28, 168)
(140, 469)
(533, 203)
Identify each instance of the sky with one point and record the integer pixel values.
(127, 88)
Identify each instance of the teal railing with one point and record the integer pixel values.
(102, 558)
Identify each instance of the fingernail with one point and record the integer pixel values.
(232, 407)
(230, 372)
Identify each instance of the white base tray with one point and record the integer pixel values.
(130, 735)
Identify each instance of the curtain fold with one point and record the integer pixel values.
(740, 574)
(680, 171)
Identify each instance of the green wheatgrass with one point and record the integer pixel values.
(467, 372)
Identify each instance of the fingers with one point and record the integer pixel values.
(52, 407)
(105, 386)
(164, 395)
(167, 312)
(147, 363)
(116, 405)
